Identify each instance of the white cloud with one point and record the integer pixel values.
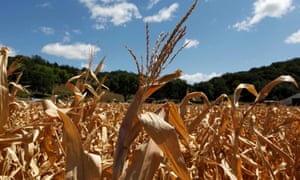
(163, 14)
(47, 30)
(263, 9)
(191, 43)
(12, 52)
(293, 38)
(67, 37)
(79, 51)
(116, 12)
(198, 77)
(152, 3)
(99, 26)
(111, 1)
(76, 31)
(45, 5)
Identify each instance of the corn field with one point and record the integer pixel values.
(84, 138)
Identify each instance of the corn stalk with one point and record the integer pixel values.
(150, 81)
(4, 98)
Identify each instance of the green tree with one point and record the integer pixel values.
(175, 90)
(44, 79)
(220, 87)
(122, 82)
(206, 87)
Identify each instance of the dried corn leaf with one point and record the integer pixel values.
(274, 147)
(125, 132)
(126, 136)
(94, 162)
(192, 95)
(175, 119)
(14, 66)
(205, 111)
(238, 90)
(146, 160)
(100, 65)
(161, 82)
(266, 90)
(74, 150)
(18, 87)
(98, 68)
(90, 89)
(16, 138)
(78, 164)
(78, 94)
(51, 109)
(224, 165)
(164, 135)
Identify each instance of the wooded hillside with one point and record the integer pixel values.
(46, 78)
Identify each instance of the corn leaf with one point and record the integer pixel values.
(192, 95)
(173, 117)
(126, 136)
(264, 92)
(164, 135)
(78, 164)
(51, 109)
(146, 160)
(238, 90)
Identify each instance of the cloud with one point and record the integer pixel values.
(198, 77)
(67, 37)
(44, 5)
(78, 51)
(152, 3)
(12, 52)
(116, 12)
(191, 43)
(263, 9)
(76, 31)
(111, 1)
(163, 14)
(293, 38)
(46, 30)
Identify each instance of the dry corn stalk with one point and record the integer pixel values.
(4, 98)
(149, 83)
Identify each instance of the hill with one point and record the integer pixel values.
(258, 76)
(41, 76)
(45, 78)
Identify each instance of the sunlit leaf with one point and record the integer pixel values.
(237, 92)
(51, 108)
(164, 135)
(175, 119)
(78, 164)
(264, 92)
(190, 96)
(146, 160)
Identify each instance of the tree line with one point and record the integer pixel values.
(44, 78)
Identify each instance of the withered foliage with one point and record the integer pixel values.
(84, 138)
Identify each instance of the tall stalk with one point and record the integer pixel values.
(3, 88)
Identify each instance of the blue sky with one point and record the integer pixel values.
(224, 35)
